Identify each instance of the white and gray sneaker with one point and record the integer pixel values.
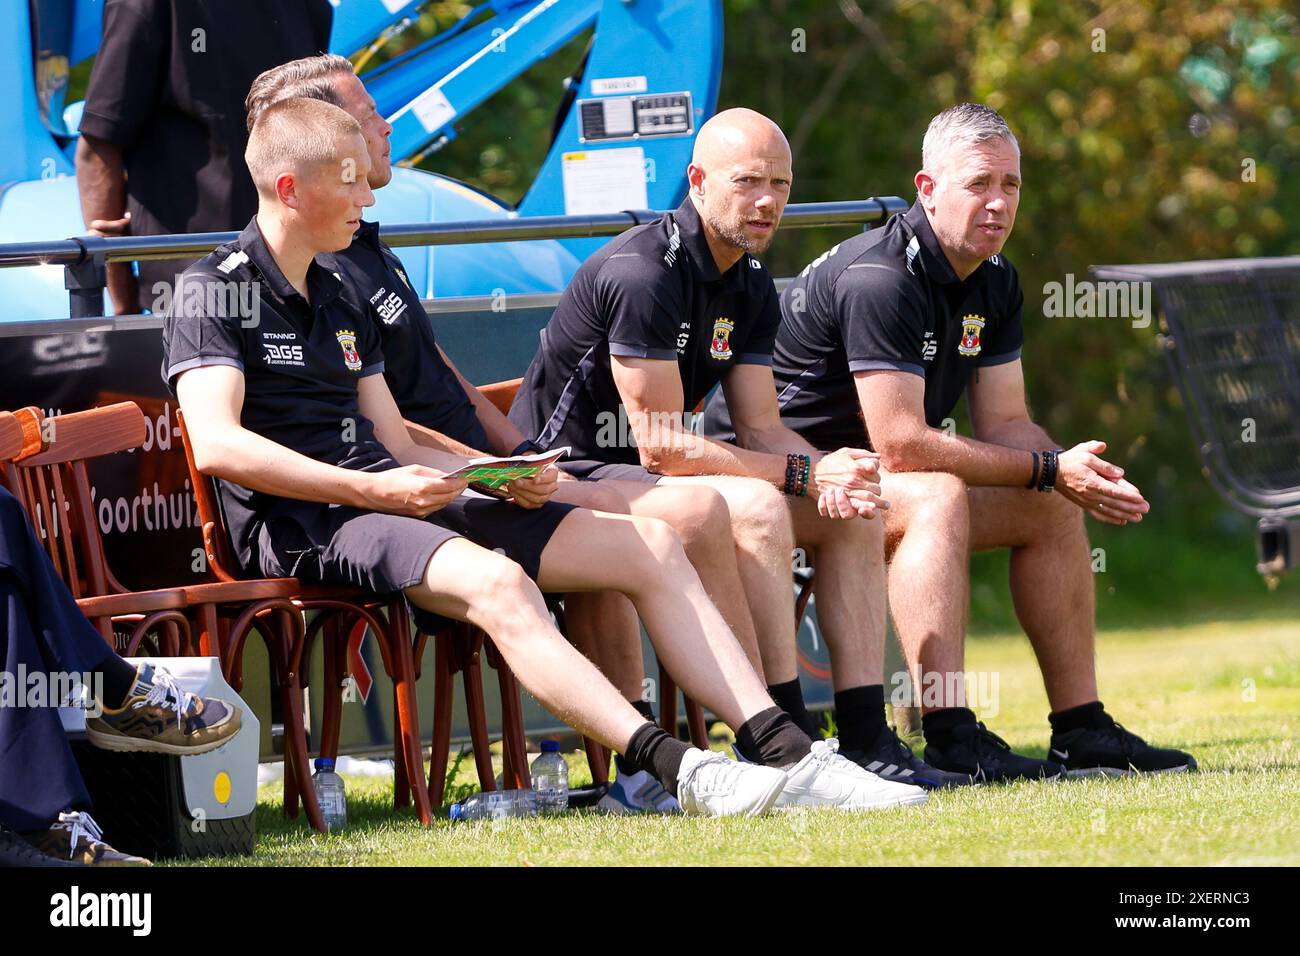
(709, 784)
(638, 793)
(825, 779)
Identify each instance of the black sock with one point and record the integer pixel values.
(651, 748)
(938, 725)
(789, 697)
(771, 738)
(859, 716)
(1078, 718)
(643, 708)
(119, 678)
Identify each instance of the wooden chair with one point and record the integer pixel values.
(338, 610)
(54, 487)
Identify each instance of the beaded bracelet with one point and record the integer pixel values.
(791, 473)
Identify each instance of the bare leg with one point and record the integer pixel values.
(470, 583)
(927, 531)
(1051, 582)
(850, 589)
(643, 558)
(763, 541)
(603, 624)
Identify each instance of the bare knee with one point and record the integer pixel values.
(661, 542)
(1055, 515)
(497, 591)
(703, 519)
(934, 503)
(760, 518)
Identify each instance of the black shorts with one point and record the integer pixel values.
(589, 470)
(385, 553)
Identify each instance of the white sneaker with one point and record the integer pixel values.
(708, 784)
(825, 779)
(637, 793)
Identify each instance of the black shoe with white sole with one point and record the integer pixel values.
(1111, 750)
(891, 759)
(985, 757)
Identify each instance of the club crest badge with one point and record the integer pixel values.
(348, 342)
(971, 326)
(720, 344)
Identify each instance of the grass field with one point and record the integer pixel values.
(1227, 691)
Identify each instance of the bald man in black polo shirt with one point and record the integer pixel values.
(880, 337)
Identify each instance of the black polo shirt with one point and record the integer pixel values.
(168, 86)
(301, 363)
(425, 388)
(889, 299)
(653, 292)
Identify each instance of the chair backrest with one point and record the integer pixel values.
(216, 539)
(1237, 350)
(501, 394)
(20, 433)
(54, 487)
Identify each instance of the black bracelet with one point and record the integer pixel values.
(1033, 482)
(1048, 480)
(791, 474)
(526, 447)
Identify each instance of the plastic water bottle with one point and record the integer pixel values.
(496, 805)
(330, 794)
(551, 779)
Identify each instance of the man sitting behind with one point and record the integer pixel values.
(320, 480)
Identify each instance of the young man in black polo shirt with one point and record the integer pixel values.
(431, 392)
(648, 326)
(289, 409)
(880, 337)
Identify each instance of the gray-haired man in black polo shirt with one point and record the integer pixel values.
(880, 337)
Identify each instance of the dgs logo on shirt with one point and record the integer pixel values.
(390, 308)
(283, 353)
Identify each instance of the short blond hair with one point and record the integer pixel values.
(296, 135)
(309, 76)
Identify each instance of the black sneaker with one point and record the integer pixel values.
(1114, 752)
(987, 758)
(891, 759)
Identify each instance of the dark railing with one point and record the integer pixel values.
(83, 258)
